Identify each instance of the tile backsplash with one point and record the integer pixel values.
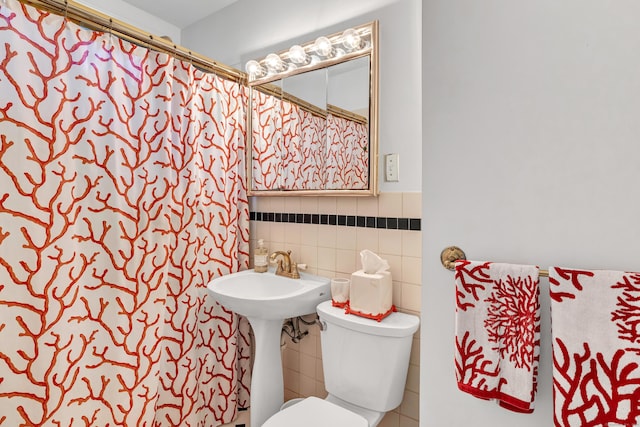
(327, 234)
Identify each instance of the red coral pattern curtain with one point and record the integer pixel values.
(303, 148)
(348, 154)
(294, 149)
(596, 347)
(122, 196)
(266, 148)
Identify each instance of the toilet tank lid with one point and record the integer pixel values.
(394, 325)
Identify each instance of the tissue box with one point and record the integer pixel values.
(371, 295)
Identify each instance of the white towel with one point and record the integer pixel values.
(498, 332)
(595, 323)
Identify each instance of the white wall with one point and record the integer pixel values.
(125, 12)
(250, 29)
(530, 155)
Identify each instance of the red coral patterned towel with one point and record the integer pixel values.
(595, 322)
(498, 332)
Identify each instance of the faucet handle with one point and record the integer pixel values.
(294, 270)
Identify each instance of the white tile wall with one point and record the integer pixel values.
(334, 251)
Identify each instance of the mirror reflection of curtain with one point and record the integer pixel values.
(295, 148)
(304, 148)
(347, 164)
(122, 196)
(267, 145)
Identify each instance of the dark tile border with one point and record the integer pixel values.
(386, 223)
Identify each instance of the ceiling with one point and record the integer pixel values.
(182, 13)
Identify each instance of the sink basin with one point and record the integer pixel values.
(266, 300)
(268, 296)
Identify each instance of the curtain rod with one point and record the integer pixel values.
(95, 20)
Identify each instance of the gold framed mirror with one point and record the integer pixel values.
(313, 117)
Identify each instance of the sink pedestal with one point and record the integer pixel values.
(266, 299)
(267, 385)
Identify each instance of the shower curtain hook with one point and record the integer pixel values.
(66, 10)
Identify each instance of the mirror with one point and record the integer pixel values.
(313, 118)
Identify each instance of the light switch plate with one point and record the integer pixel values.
(391, 167)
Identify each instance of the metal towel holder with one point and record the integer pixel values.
(451, 254)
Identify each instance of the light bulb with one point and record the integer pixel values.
(273, 62)
(297, 54)
(254, 68)
(350, 39)
(322, 45)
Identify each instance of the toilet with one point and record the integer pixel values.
(365, 369)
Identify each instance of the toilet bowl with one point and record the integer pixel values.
(365, 366)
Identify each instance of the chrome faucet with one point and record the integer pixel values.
(285, 268)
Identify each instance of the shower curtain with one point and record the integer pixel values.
(121, 197)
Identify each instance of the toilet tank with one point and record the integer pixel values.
(365, 362)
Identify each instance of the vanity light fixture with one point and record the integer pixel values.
(351, 39)
(254, 69)
(323, 47)
(322, 52)
(297, 55)
(274, 63)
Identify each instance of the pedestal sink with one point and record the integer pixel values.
(267, 300)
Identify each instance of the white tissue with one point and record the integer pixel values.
(372, 263)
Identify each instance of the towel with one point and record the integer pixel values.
(498, 332)
(595, 323)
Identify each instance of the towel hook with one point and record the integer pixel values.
(450, 255)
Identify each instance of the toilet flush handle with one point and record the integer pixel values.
(322, 324)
